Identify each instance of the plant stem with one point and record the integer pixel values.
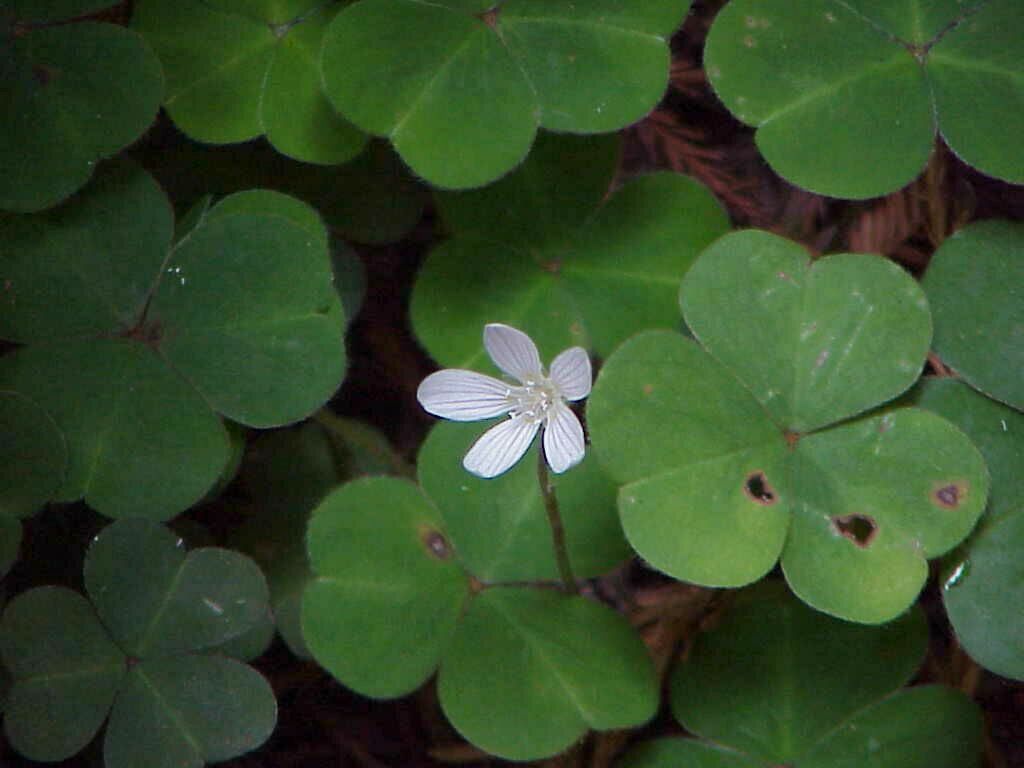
(547, 492)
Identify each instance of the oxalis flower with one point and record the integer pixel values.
(538, 400)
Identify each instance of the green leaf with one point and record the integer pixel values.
(983, 591)
(33, 457)
(238, 71)
(382, 561)
(973, 285)
(775, 677)
(983, 582)
(529, 671)
(557, 188)
(463, 100)
(703, 437)
(258, 355)
(815, 342)
(66, 672)
(978, 82)
(158, 600)
(88, 267)
(925, 727)
(708, 493)
(185, 711)
(500, 527)
(632, 253)
(140, 444)
(672, 753)
(845, 95)
(874, 498)
(175, 331)
(73, 94)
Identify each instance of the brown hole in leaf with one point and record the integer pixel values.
(758, 489)
(950, 495)
(436, 544)
(860, 529)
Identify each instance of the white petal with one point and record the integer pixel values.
(463, 395)
(500, 447)
(571, 373)
(512, 351)
(564, 445)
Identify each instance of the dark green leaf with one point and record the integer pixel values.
(33, 457)
(66, 672)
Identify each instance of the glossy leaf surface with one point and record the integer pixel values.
(529, 671)
(975, 283)
(463, 100)
(235, 72)
(848, 97)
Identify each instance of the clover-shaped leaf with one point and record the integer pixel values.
(778, 684)
(523, 672)
(460, 88)
(983, 581)
(132, 341)
(556, 276)
(74, 93)
(33, 457)
(238, 71)
(138, 652)
(974, 286)
(847, 97)
(742, 459)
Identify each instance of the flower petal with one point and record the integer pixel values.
(571, 373)
(463, 395)
(500, 447)
(512, 351)
(564, 444)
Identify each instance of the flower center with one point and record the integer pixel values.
(533, 399)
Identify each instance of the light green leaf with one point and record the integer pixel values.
(73, 94)
(185, 711)
(974, 285)
(815, 342)
(529, 671)
(686, 500)
(775, 677)
(382, 561)
(499, 527)
(630, 255)
(66, 672)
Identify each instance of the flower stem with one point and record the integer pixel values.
(547, 491)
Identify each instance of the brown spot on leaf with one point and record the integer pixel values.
(792, 438)
(490, 18)
(950, 495)
(148, 333)
(758, 489)
(648, 389)
(436, 544)
(860, 529)
(43, 74)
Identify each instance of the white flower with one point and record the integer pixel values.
(538, 400)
